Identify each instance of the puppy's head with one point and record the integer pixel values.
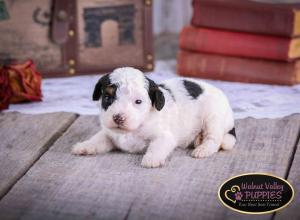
(126, 98)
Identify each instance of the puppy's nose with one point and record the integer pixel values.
(119, 119)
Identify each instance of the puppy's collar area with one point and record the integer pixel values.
(168, 90)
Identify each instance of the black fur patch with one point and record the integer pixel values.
(109, 96)
(105, 89)
(167, 89)
(103, 82)
(156, 96)
(232, 132)
(193, 89)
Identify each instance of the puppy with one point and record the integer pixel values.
(137, 115)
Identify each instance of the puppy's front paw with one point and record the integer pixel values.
(83, 149)
(151, 161)
(202, 151)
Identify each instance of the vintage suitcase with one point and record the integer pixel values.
(71, 37)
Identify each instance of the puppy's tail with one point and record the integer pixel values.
(229, 140)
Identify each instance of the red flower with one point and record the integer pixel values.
(19, 83)
(5, 90)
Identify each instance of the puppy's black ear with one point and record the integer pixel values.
(159, 100)
(156, 96)
(101, 84)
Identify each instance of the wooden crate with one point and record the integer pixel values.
(67, 37)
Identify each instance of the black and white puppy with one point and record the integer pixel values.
(137, 115)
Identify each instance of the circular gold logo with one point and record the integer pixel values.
(256, 193)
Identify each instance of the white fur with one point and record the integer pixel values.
(177, 124)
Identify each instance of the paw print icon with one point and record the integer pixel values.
(238, 196)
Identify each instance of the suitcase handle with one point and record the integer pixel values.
(61, 19)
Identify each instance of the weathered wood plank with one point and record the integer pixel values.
(24, 138)
(292, 212)
(114, 186)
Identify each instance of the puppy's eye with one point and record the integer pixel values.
(107, 98)
(138, 101)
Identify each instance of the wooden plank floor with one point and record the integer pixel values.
(24, 138)
(59, 185)
(293, 210)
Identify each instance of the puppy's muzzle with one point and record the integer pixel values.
(119, 119)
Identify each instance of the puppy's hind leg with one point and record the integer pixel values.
(228, 141)
(212, 139)
(99, 143)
